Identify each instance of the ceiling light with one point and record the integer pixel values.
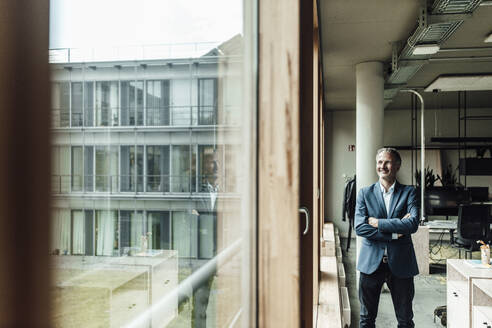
(488, 38)
(425, 49)
(461, 83)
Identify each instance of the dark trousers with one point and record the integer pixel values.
(402, 292)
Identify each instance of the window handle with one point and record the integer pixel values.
(306, 212)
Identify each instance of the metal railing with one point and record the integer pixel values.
(154, 116)
(119, 53)
(163, 183)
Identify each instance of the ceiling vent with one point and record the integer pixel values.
(434, 26)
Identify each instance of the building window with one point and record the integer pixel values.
(181, 102)
(208, 164)
(185, 228)
(133, 232)
(107, 103)
(78, 232)
(159, 226)
(183, 169)
(132, 103)
(60, 233)
(131, 169)
(106, 232)
(61, 104)
(157, 102)
(88, 168)
(77, 103)
(207, 101)
(77, 168)
(158, 168)
(107, 169)
(61, 176)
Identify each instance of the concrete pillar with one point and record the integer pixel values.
(369, 123)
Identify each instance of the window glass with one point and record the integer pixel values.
(77, 168)
(61, 104)
(207, 101)
(150, 116)
(107, 103)
(158, 168)
(158, 102)
(106, 232)
(77, 103)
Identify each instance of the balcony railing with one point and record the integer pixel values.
(154, 117)
(164, 184)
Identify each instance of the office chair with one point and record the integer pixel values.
(473, 224)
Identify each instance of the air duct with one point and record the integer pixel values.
(433, 28)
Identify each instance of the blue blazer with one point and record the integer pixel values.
(401, 255)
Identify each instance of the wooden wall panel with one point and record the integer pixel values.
(24, 163)
(278, 164)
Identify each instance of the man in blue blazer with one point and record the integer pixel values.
(386, 215)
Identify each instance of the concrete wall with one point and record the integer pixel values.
(340, 162)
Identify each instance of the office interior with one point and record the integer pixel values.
(457, 130)
(327, 85)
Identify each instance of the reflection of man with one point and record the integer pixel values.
(386, 215)
(201, 292)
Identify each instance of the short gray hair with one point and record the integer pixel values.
(392, 151)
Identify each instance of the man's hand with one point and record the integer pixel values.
(373, 221)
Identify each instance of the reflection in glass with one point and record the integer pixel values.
(159, 226)
(158, 102)
(131, 102)
(77, 168)
(158, 168)
(106, 233)
(147, 160)
(61, 104)
(107, 103)
(207, 101)
(106, 168)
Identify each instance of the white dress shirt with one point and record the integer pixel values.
(387, 195)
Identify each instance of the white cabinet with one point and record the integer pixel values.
(460, 279)
(482, 303)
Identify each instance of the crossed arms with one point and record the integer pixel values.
(382, 229)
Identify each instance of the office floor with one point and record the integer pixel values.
(430, 291)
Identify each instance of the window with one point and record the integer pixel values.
(60, 181)
(131, 168)
(158, 168)
(182, 99)
(183, 169)
(77, 103)
(139, 166)
(107, 103)
(157, 102)
(132, 103)
(208, 163)
(106, 168)
(61, 104)
(159, 225)
(106, 232)
(207, 101)
(77, 168)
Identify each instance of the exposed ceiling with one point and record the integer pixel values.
(355, 31)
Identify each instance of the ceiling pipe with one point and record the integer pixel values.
(465, 49)
(422, 154)
(468, 58)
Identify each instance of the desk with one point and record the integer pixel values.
(439, 225)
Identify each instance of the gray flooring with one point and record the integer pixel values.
(430, 292)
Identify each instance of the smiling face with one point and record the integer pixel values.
(386, 166)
